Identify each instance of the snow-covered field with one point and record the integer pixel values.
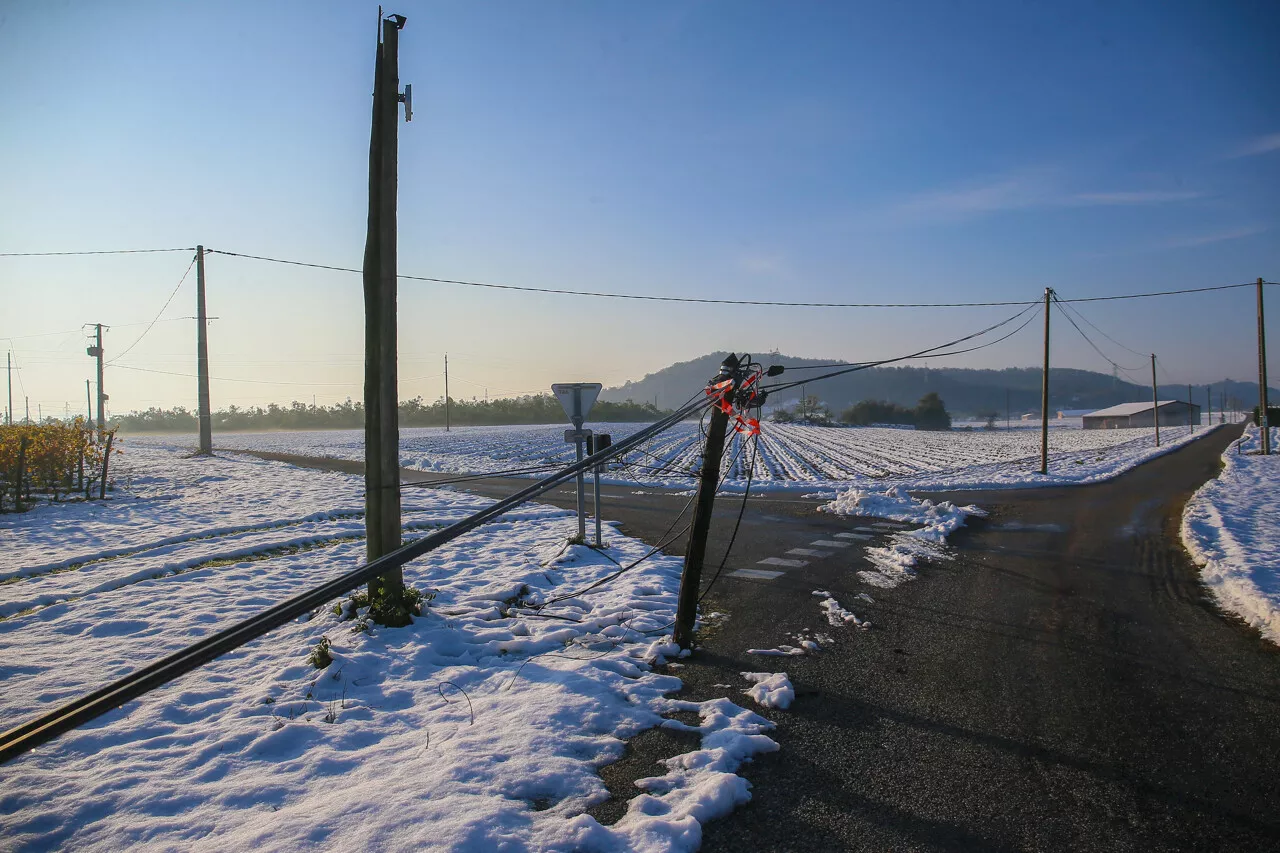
(790, 456)
(1231, 526)
(479, 727)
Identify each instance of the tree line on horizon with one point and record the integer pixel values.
(529, 409)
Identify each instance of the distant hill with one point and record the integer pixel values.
(967, 391)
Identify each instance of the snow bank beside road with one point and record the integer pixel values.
(895, 562)
(480, 726)
(1231, 526)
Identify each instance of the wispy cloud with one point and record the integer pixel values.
(1259, 145)
(766, 265)
(1021, 190)
(1193, 240)
(1009, 192)
(1186, 241)
(1134, 197)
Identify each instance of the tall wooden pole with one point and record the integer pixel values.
(9, 411)
(1263, 424)
(1044, 390)
(382, 438)
(1155, 400)
(102, 396)
(202, 359)
(446, 392)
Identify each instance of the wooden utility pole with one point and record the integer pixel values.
(1044, 390)
(1263, 425)
(381, 397)
(708, 482)
(96, 351)
(446, 392)
(9, 411)
(202, 359)
(1155, 400)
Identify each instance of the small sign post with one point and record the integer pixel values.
(577, 398)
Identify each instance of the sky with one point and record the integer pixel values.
(806, 151)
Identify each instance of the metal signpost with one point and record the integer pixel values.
(577, 398)
(595, 444)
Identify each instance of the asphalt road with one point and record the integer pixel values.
(1062, 684)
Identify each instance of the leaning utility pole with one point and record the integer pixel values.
(202, 359)
(1044, 390)
(708, 481)
(446, 392)
(1263, 425)
(381, 398)
(1155, 400)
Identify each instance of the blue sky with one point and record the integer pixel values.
(936, 151)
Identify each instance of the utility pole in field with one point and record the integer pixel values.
(382, 435)
(202, 359)
(26, 411)
(1155, 400)
(9, 411)
(1263, 425)
(446, 392)
(96, 351)
(1008, 411)
(1044, 390)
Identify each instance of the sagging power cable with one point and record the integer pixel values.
(1067, 313)
(156, 319)
(929, 351)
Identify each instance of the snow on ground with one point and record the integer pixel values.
(770, 689)
(894, 562)
(790, 457)
(836, 615)
(481, 726)
(1230, 527)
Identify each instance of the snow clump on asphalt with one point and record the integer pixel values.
(837, 615)
(770, 689)
(895, 562)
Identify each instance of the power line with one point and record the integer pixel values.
(1096, 348)
(610, 295)
(1077, 312)
(226, 379)
(1163, 292)
(930, 351)
(158, 313)
(99, 252)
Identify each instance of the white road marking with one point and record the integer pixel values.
(757, 574)
(862, 536)
(778, 561)
(809, 552)
(830, 543)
